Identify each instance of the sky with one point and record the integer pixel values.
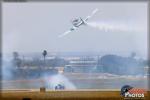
(117, 28)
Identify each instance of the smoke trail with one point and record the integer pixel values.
(110, 27)
(7, 68)
(54, 80)
(66, 33)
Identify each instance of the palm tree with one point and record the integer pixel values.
(15, 55)
(44, 55)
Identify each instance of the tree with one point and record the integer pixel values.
(44, 55)
(121, 65)
(133, 55)
(15, 55)
(16, 60)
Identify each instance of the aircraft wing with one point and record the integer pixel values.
(67, 32)
(93, 13)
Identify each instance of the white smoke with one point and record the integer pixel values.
(7, 68)
(114, 27)
(54, 80)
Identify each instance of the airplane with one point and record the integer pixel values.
(77, 22)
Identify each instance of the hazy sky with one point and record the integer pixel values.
(32, 27)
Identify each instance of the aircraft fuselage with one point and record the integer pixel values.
(78, 22)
